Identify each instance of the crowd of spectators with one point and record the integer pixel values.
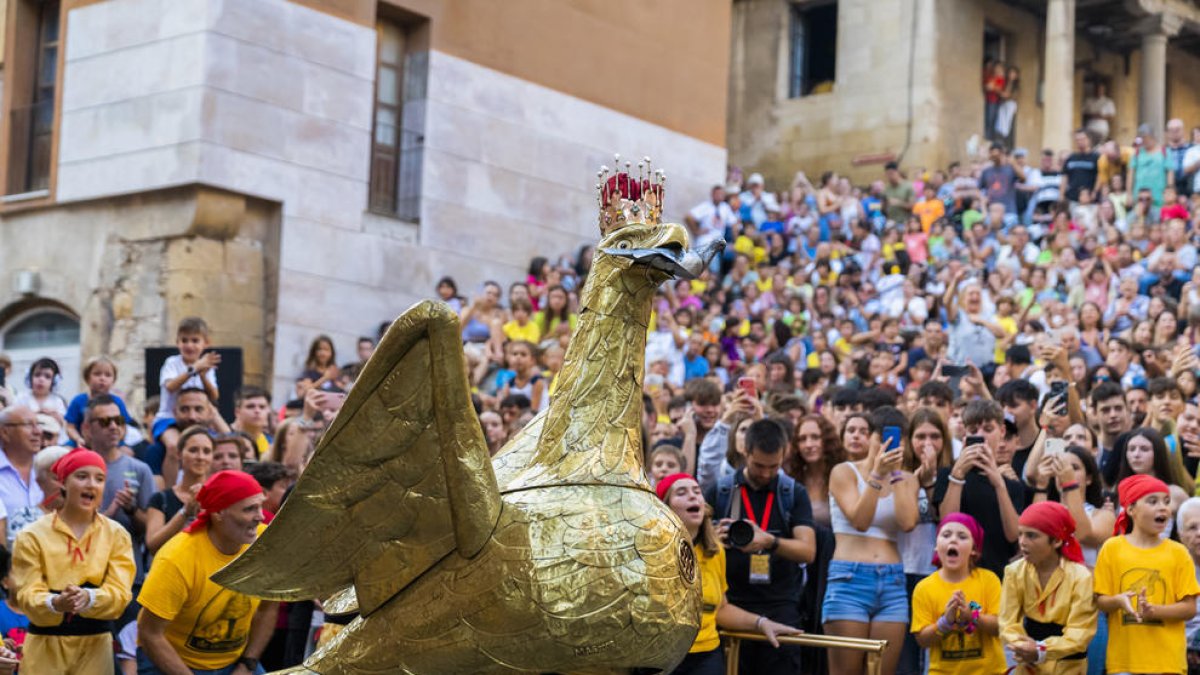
(947, 361)
(1023, 328)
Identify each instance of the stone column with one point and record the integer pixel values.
(1058, 83)
(1152, 87)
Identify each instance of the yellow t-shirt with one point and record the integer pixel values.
(1167, 575)
(262, 446)
(712, 591)
(1009, 324)
(209, 624)
(529, 332)
(929, 212)
(959, 652)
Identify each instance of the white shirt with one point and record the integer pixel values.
(172, 368)
(1191, 157)
(712, 219)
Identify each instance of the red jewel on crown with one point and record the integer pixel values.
(626, 198)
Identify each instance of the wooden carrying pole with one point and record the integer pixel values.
(873, 648)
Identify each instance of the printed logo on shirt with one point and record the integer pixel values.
(960, 646)
(217, 626)
(1150, 581)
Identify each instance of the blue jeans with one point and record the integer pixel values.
(865, 592)
(147, 667)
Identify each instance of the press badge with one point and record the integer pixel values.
(760, 568)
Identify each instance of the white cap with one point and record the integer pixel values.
(755, 179)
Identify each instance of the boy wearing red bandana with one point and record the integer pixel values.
(1047, 615)
(74, 569)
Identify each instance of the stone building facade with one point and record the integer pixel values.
(286, 168)
(847, 85)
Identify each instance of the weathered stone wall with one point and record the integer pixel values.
(132, 267)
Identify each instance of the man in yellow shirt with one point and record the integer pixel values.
(189, 623)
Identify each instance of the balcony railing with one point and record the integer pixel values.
(31, 132)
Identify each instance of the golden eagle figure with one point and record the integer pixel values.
(556, 556)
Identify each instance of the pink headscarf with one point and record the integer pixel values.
(972, 526)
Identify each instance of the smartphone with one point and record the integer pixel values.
(891, 438)
(747, 385)
(1054, 447)
(973, 440)
(951, 370)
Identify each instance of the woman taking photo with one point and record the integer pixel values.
(682, 493)
(172, 509)
(74, 573)
(871, 501)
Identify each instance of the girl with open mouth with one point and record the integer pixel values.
(954, 609)
(74, 568)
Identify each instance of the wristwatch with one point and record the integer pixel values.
(191, 370)
(248, 661)
(774, 545)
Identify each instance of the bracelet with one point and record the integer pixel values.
(1067, 487)
(895, 479)
(943, 626)
(876, 478)
(956, 481)
(928, 486)
(758, 622)
(1041, 491)
(875, 484)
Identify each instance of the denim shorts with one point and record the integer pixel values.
(865, 592)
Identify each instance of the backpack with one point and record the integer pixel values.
(785, 494)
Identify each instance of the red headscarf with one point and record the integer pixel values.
(1132, 489)
(972, 526)
(76, 460)
(222, 490)
(665, 484)
(1055, 521)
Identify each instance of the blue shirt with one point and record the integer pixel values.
(694, 366)
(79, 405)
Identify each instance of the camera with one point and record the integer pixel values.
(741, 533)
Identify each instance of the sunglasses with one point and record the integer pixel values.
(114, 421)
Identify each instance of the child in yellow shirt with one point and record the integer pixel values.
(954, 609)
(1146, 584)
(522, 326)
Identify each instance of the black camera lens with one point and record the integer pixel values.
(741, 533)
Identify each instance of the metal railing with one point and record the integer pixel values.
(873, 648)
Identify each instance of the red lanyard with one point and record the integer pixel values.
(766, 519)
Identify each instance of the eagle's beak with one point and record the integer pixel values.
(672, 259)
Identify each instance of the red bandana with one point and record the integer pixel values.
(222, 490)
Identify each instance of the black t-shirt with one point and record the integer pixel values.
(785, 574)
(167, 502)
(979, 501)
(1081, 169)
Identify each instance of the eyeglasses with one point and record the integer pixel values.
(115, 420)
(28, 425)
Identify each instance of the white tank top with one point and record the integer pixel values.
(883, 525)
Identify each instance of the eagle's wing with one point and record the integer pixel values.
(400, 480)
